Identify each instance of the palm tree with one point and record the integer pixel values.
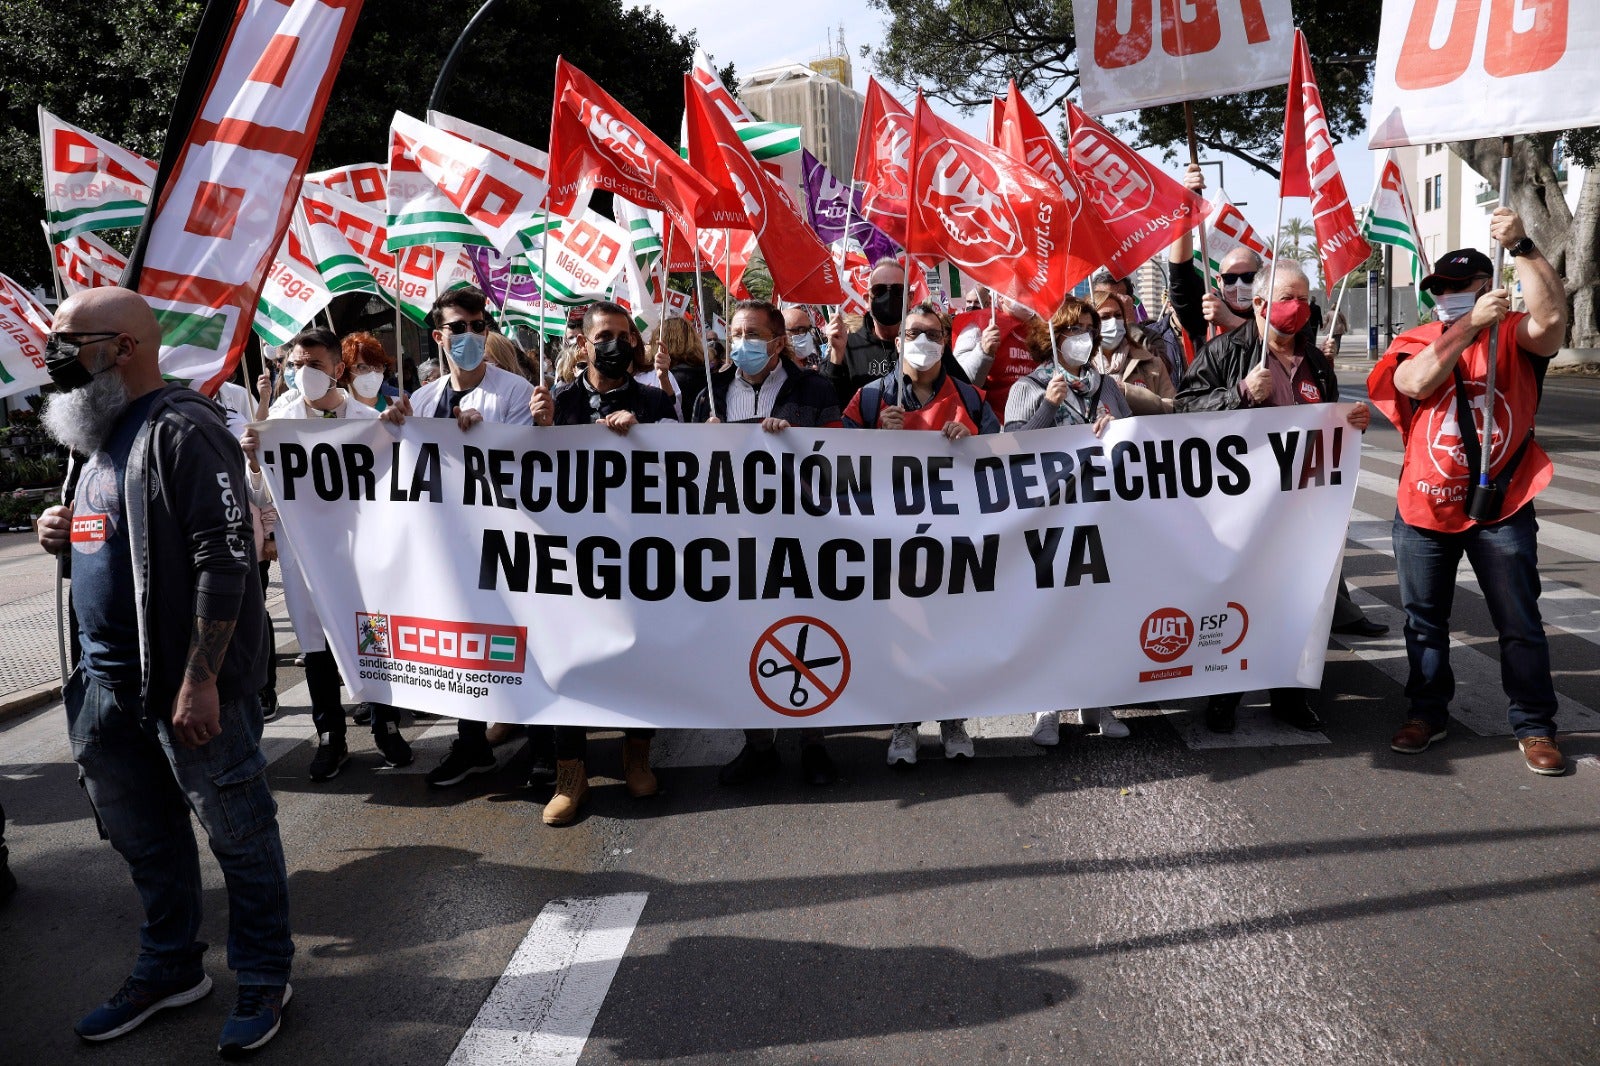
(1294, 241)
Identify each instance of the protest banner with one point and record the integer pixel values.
(1141, 53)
(243, 127)
(723, 577)
(1484, 68)
(24, 327)
(90, 184)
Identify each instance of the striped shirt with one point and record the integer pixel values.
(747, 402)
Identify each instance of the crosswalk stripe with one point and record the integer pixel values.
(1552, 534)
(544, 1005)
(1552, 495)
(1479, 702)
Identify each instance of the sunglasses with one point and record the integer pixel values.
(1248, 277)
(63, 347)
(458, 327)
(885, 289)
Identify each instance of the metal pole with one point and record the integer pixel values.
(1388, 291)
(547, 380)
(1272, 277)
(1494, 331)
(1194, 158)
(705, 330)
(447, 72)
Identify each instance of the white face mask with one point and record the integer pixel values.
(367, 384)
(1454, 305)
(923, 352)
(312, 383)
(1238, 297)
(1112, 330)
(1076, 350)
(805, 346)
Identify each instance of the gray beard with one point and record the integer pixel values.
(82, 419)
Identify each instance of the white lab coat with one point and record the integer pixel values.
(500, 397)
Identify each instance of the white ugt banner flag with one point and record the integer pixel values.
(1454, 70)
(1140, 53)
(722, 577)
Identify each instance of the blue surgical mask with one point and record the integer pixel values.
(466, 351)
(750, 355)
(288, 377)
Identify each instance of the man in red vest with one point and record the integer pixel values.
(1432, 385)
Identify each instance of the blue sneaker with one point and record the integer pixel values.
(255, 1019)
(135, 1002)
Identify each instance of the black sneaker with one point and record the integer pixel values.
(816, 765)
(135, 1002)
(460, 763)
(330, 758)
(396, 752)
(751, 764)
(255, 1019)
(362, 715)
(1222, 713)
(269, 704)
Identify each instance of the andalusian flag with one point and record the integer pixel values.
(461, 180)
(90, 184)
(642, 291)
(293, 295)
(533, 162)
(1391, 220)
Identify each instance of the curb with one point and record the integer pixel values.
(15, 704)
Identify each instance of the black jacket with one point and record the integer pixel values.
(805, 398)
(690, 381)
(1212, 383)
(192, 547)
(575, 404)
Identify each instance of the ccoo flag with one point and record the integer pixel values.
(90, 184)
(242, 131)
(24, 327)
(1310, 169)
(1390, 220)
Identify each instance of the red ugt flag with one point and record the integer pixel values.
(883, 151)
(1142, 208)
(596, 143)
(999, 222)
(803, 270)
(1309, 169)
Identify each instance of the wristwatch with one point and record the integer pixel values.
(1520, 248)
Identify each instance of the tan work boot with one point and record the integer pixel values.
(572, 784)
(636, 772)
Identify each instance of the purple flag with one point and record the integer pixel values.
(826, 209)
(502, 277)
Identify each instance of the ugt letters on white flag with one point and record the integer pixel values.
(722, 577)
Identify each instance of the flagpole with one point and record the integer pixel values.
(1272, 276)
(1494, 354)
(705, 325)
(849, 216)
(545, 380)
(44, 178)
(55, 272)
(1194, 160)
(1338, 300)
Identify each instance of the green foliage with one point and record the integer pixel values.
(113, 66)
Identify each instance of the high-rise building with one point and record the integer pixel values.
(818, 98)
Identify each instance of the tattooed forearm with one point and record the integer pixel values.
(206, 649)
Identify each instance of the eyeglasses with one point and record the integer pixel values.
(1073, 331)
(458, 327)
(799, 331)
(932, 334)
(1247, 276)
(60, 347)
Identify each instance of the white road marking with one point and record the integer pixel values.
(542, 1008)
(1552, 495)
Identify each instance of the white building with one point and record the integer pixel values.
(817, 98)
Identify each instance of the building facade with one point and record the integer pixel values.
(819, 101)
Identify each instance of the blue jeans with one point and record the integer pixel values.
(1505, 558)
(144, 786)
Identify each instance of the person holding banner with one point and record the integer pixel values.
(318, 365)
(1432, 384)
(1226, 376)
(1065, 389)
(870, 353)
(161, 709)
(763, 385)
(1142, 377)
(605, 393)
(918, 394)
(473, 391)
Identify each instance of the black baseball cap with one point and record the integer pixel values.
(1463, 264)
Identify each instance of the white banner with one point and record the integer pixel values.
(1140, 53)
(717, 577)
(1451, 70)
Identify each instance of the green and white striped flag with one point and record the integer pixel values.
(418, 213)
(639, 287)
(1391, 220)
(90, 184)
(293, 294)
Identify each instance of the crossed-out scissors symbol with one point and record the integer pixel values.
(799, 696)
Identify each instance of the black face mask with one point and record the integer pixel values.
(888, 304)
(613, 358)
(66, 372)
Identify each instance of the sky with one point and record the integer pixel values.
(727, 31)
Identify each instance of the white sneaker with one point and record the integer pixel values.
(1108, 723)
(957, 744)
(1047, 728)
(903, 745)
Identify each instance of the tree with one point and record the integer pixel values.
(1298, 240)
(113, 67)
(962, 51)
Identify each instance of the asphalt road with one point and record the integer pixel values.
(1287, 899)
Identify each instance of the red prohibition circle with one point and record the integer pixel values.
(792, 661)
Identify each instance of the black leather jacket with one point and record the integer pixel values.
(1212, 383)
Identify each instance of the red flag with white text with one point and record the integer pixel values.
(1143, 208)
(990, 215)
(243, 127)
(1310, 169)
(883, 151)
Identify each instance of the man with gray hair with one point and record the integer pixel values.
(1229, 375)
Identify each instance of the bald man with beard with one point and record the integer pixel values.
(162, 706)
